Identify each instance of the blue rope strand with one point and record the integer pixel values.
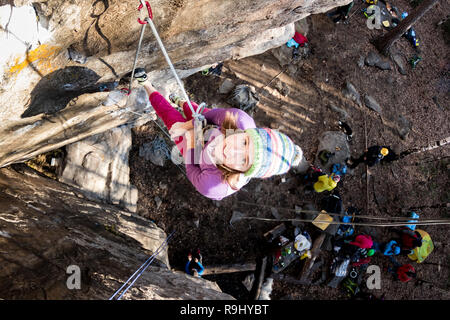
(137, 277)
(146, 264)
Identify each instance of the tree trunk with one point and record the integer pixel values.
(385, 42)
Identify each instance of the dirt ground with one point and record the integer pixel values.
(418, 182)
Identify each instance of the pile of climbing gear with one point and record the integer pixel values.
(244, 97)
(157, 151)
(214, 70)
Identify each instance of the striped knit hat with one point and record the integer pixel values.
(275, 153)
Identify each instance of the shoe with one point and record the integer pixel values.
(139, 74)
(174, 98)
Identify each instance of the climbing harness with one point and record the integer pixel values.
(141, 269)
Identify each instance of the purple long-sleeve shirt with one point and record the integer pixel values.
(205, 177)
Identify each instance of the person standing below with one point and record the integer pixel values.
(326, 183)
(372, 156)
(195, 267)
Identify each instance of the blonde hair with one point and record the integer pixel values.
(230, 176)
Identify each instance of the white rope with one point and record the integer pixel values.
(136, 56)
(196, 113)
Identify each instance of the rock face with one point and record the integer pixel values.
(99, 166)
(374, 60)
(372, 104)
(350, 92)
(51, 94)
(46, 226)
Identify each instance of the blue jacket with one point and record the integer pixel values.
(389, 250)
(196, 265)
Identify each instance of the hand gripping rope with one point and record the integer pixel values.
(196, 114)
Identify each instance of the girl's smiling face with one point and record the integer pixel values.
(235, 152)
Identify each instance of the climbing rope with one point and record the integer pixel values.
(387, 224)
(149, 20)
(141, 269)
(408, 220)
(137, 54)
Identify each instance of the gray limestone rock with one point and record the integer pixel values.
(283, 54)
(158, 202)
(375, 60)
(69, 230)
(275, 213)
(237, 216)
(372, 104)
(343, 113)
(361, 61)
(403, 127)
(334, 142)
(98, 165)
(282, 87)
(398, 60)
(351, 93)
(302, 26)
(372, 59)
(248, 281)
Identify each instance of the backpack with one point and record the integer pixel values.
(244, 98)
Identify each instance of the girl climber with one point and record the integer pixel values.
(234, 150)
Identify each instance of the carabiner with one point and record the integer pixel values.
(149, 10)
